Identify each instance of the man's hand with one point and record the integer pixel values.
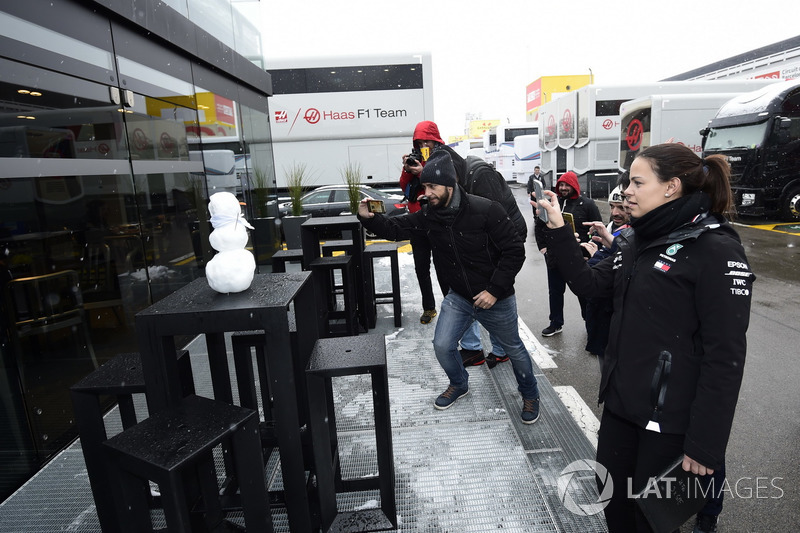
(484, 300)
(415, 169)
(600, 234)
(363, 211)
(590, 247)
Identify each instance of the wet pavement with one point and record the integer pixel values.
(474, 467)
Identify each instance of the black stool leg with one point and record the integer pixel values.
(323, 438)
(383, 435)
(398, 312)
(250, 474)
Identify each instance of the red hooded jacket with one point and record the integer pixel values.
(425, 131)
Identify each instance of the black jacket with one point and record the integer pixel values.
(475, 251)
(479, 178)
(688, 294)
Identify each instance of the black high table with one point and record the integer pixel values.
(310, 233)
(198, 309)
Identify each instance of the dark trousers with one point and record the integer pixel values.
(597, 315)
(631, 455)
(421, 248)
(557, 286)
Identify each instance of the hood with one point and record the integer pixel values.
(427, 131)
(571, 179)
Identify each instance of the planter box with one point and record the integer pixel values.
(291, 230)
(266, 238)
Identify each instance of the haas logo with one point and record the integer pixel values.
(312, 115)
(634, 134)
(566, 121)
(551, 126)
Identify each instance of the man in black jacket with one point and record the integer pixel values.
(583, 210)
(477, 253)
(478, 177)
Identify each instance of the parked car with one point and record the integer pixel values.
(333, 200)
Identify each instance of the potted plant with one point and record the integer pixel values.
(351, 173)
(296, 179)
(261, 187)
(266, 233)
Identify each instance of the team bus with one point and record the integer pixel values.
(514, 162)
(327, 113)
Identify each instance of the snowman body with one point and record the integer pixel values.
(233, 268)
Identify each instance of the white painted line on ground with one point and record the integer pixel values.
(580, 412)
(538, 352)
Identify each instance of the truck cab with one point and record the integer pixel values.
(759, 135)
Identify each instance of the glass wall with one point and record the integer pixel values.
(104, 165)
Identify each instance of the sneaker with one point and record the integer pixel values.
(472, 357)
(493, 359)
(530, 411)
(551, 330)
(706, 523)
(449, 397)
(427, 316)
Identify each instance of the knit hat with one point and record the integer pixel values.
(616, 196)
(439, 169)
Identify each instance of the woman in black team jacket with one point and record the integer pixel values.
(681, 286)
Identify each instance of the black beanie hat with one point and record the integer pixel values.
(439, 169)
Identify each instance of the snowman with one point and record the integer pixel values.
(233, 268)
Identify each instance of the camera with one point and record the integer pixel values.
(414, 158)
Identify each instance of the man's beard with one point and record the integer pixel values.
(444, 199)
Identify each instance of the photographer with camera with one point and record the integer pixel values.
(426, 135)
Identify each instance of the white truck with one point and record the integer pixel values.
(581, 128)
(467, 147)
(329, 112)
(659, 118)
(501, 151)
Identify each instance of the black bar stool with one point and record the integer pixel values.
(120, 377)
(324, 267)
(349, 356)
(389, 249)
(174, 448)
(281, 257)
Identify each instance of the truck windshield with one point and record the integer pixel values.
(750, 136)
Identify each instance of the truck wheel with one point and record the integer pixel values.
(790, 208)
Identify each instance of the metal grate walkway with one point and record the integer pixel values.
(472, 468)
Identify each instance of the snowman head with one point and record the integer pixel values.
(225, 209)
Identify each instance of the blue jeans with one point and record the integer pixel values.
(457, 315)
(472, 340)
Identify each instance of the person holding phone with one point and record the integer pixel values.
(682, 288)
(570, 200)
(478, 253)
(427, 137)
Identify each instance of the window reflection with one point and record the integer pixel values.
(168, 184)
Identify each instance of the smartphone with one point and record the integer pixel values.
(541, 212)
(376, 206)
(569, 219)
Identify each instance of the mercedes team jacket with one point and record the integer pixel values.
(677, 343)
